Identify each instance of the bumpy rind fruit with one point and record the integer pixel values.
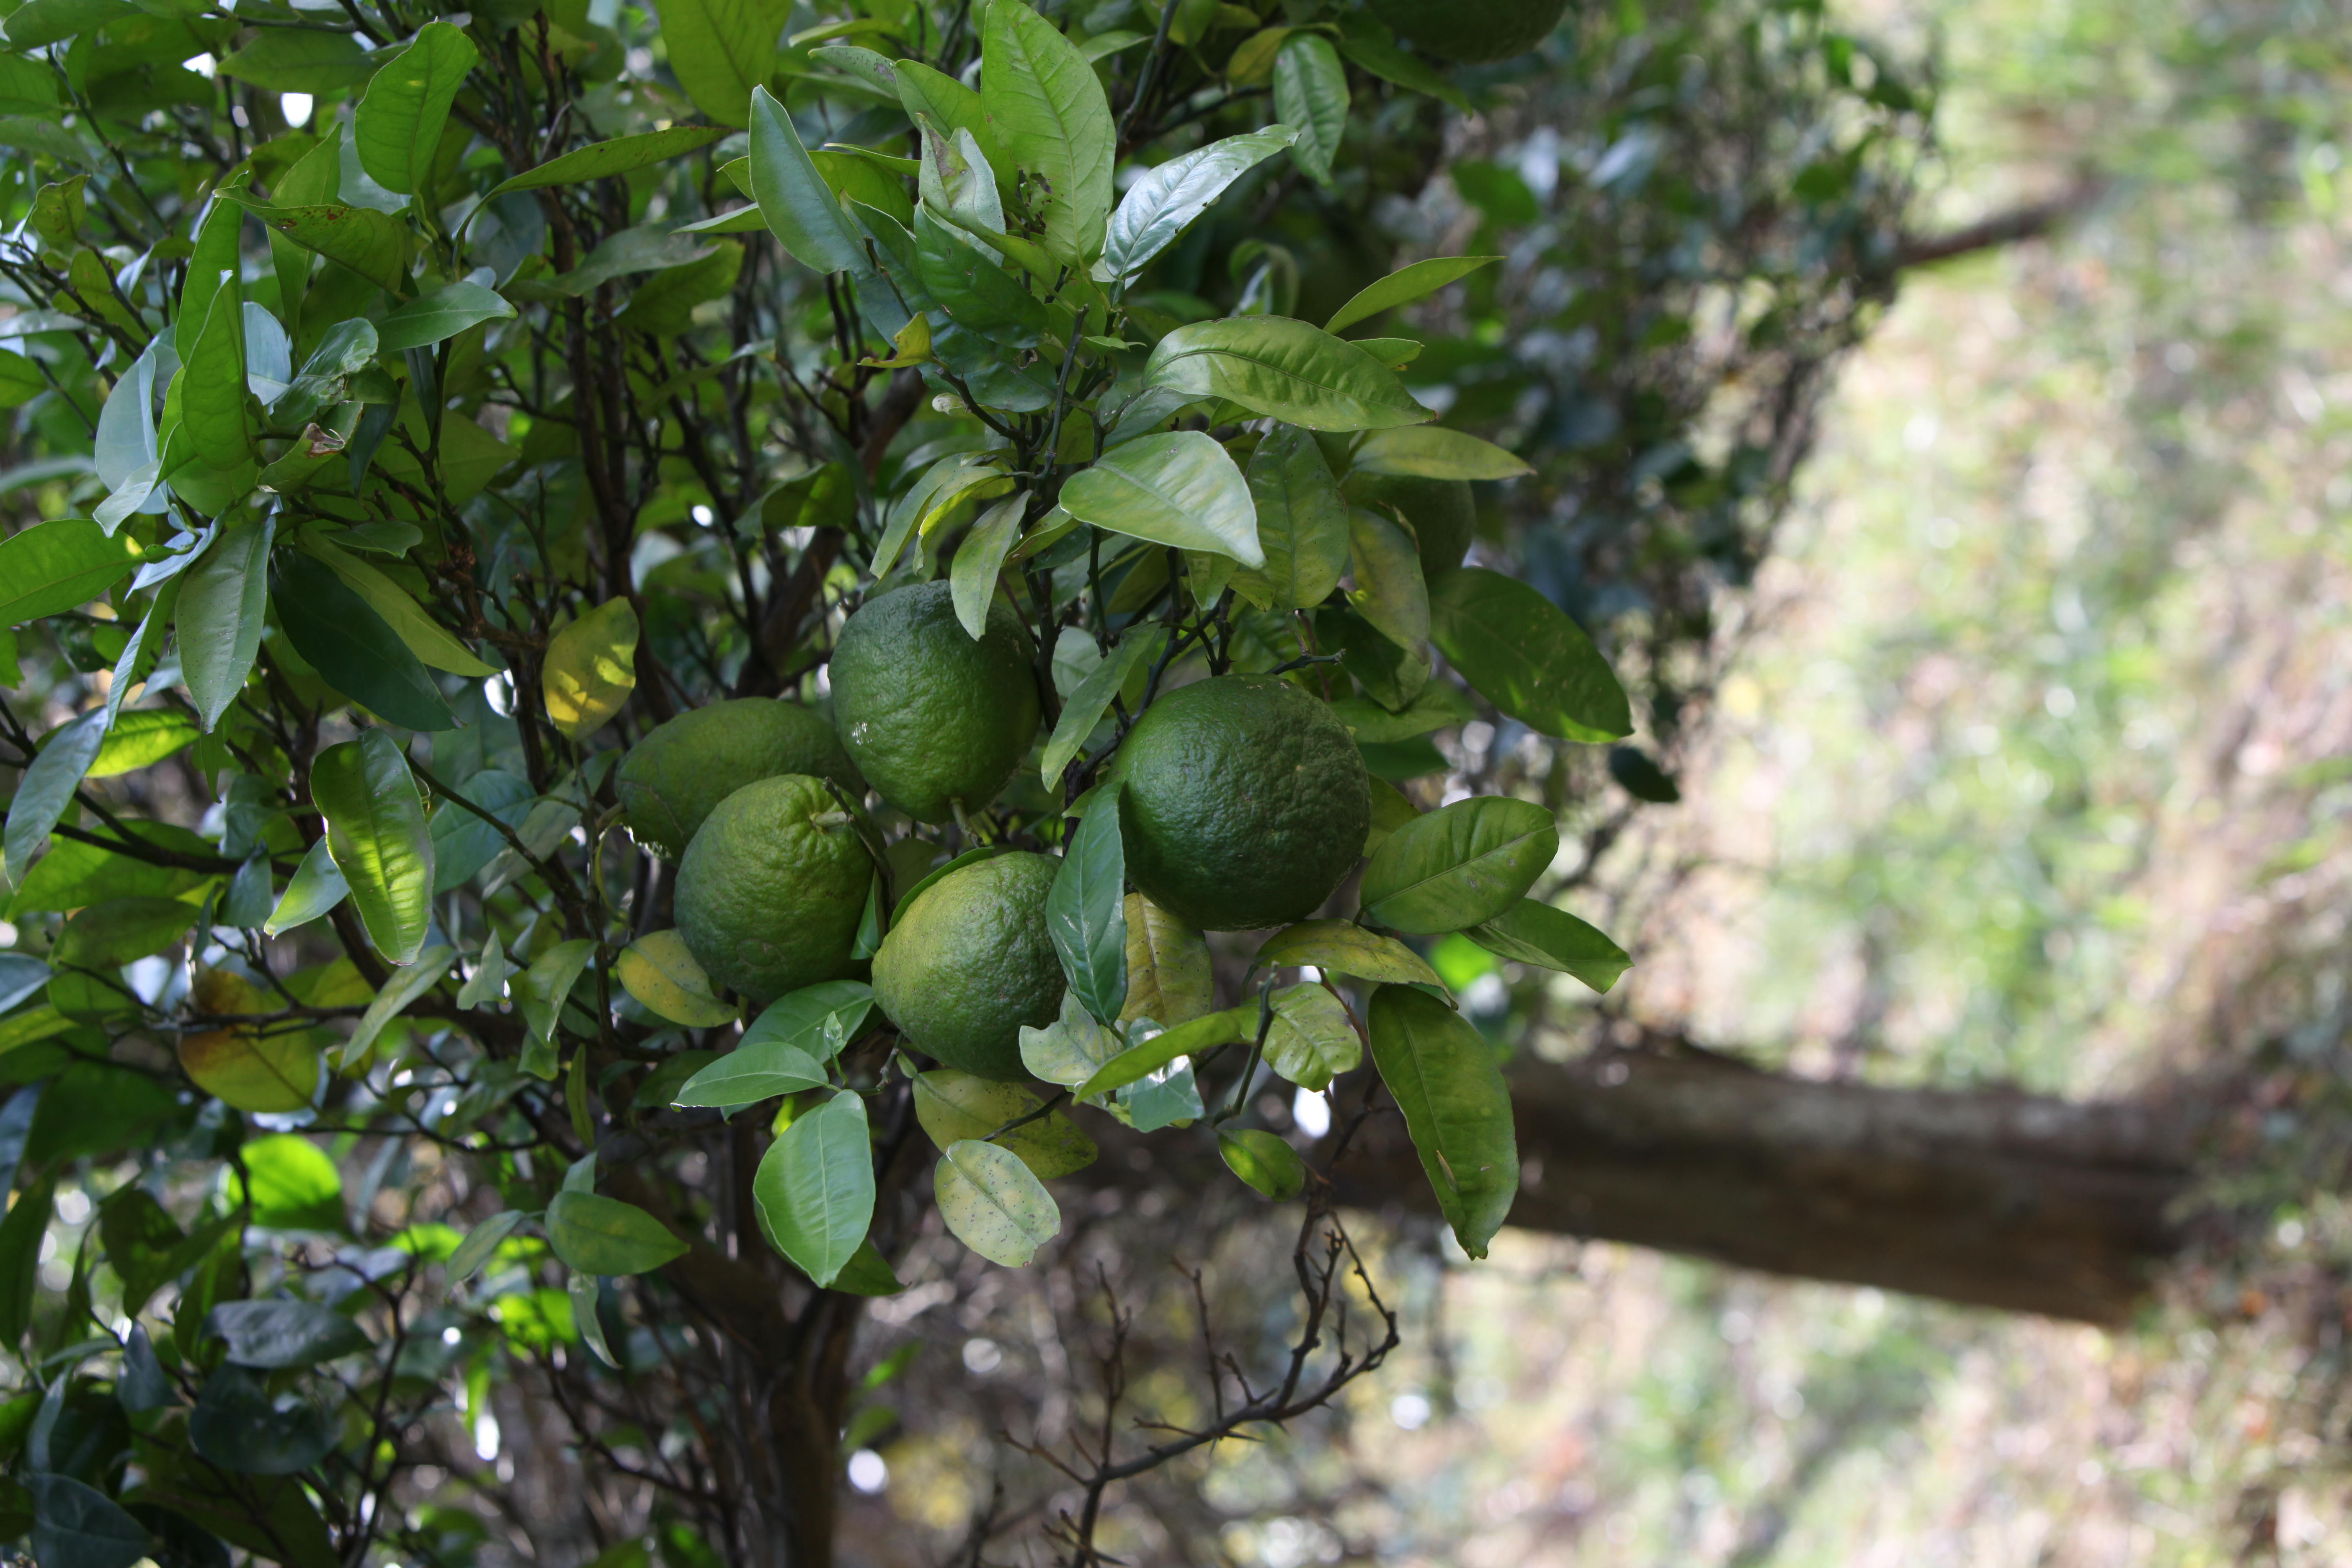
(768, 897)
(674, 778)
(1442, 512)
(970, 963)
(930, 716)
(1475, 32)
(1244, 803)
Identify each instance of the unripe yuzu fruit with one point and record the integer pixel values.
(768, 898)
(671, 779)
(970, 963)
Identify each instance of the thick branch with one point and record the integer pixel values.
(2013, 228)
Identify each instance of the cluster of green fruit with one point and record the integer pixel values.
(1244, 803)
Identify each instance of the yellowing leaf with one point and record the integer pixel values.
(591, 668)
(657, 970)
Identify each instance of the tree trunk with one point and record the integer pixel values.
(1994, 1198)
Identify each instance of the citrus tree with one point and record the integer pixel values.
(648, 648)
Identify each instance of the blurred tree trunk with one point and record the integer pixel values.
(1994, 1198)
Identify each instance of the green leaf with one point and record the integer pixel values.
(1533, 932)
(621, 154)
(1162, 203)
(597, 1235)
(539, 994)
(753, 1071)
(213, 264)
(807, 1018)
(951, 107)
(1169, 978)
(121, 930)
(29, 134)
(443, 313)
(1311, 1039)
(1437, 707)
(141, 739)
(994, 1203)
(21, 1233)
(954, 1106)
(1391, 64)
(1264, 1162)
(1138, 1062)
(1071, 1049)
(372, 244)
(1052, 119)
(1284, 369)
(1443, 1076)
(972, 285)
(480, 1242)
(77, 1526)
(657, 970)
(1405, 285)
(54, 21)
(294, 1185)
(971, 580)
(1522, 653)
(353, 648)
(1302, 519)
(316, 888)
(1341, 947)
(1085, 912)
(59, 565)
(220, 615)
(1310, 91)
(802, 210)
(20, 379)
(1179, 488)
(815, 1189)
(1091, 699)
(398, 126)
(1389, 591)
(212, 383)
(403, 987)
(299, 59)
(591, 668)
(957, 183)
(376, 832)
(254, 1072)
(241, 1426)
(1459, 865)
(1434, 453)
(723, 51)
(276, 1335)
(428, 639)
(46, 789)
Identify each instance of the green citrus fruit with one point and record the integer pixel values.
(969, 961)
(674, 776)
(1443, 515)
(1475, 32)
(1244, 803)
(768, 897)
(930, 716)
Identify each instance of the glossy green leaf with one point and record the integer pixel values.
(443, 313)
(428, 639)
(376, 832)
(220, 615)
(1053, 121)
(1302, 520)
(815, 1188)
(1459, 865)
(800, 208)
(46, 789)
(1372, 54)
(1091, 699)
(480, 1244)
(213, 383)
(294, 1185)
(141, 739)
(951, 107)
(1437, 707)
(1162, 1050)
(619, 156)
(657, 970)
(753, 1071)
(1523, 653)
(956, 181)
(42, 22)
(1179, 488)
(602, 1236)
(21, 1233)
(1342, 947)
(1161, 205)
(1533, 932)
(121, 930)
(539, 994)
(954, 1106)
(353, 648)
(1310, 91)
(1389, 592)
(59, 565)
(1284, 369)
(1445, 1079)
(1169, 978)
(723, 51)
(1432, 452)
(301, 59)
(1405, 285)
(971, 580)
(398, 126)
(973, 285)
(994, 1204)
(591, 668)
(77, 1526)
(315, 889)
(1264, 1162)
(1311, 1039)
(403, 987)
(277, 1336)
(372, 244)
(818, 1019)
(1084, 910)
